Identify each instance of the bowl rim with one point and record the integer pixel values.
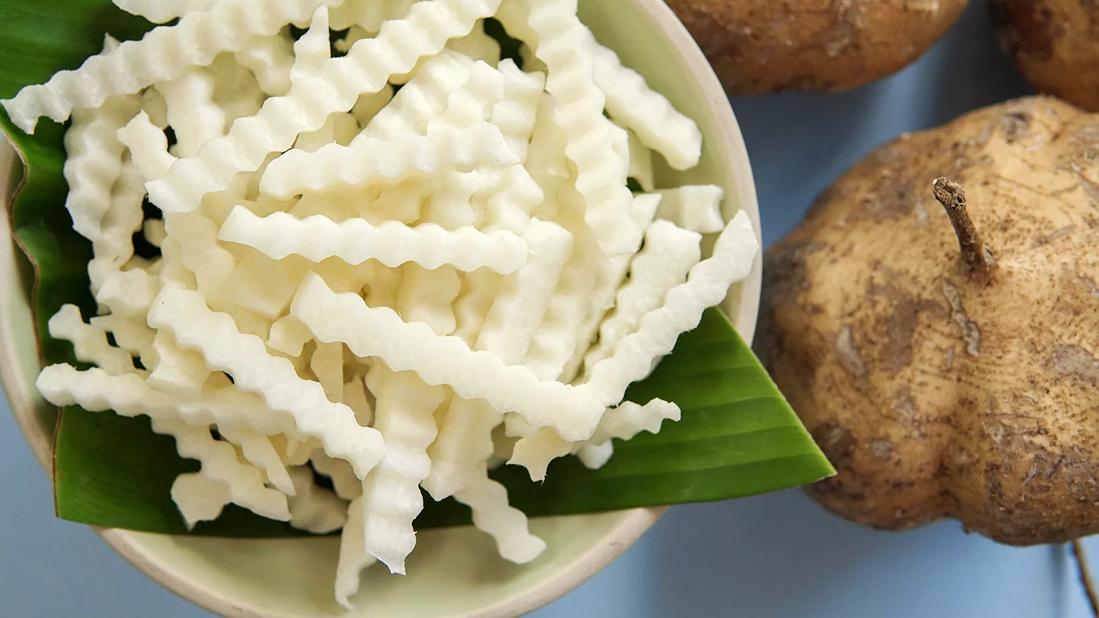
(634, 522)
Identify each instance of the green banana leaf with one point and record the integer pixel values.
(737, 437)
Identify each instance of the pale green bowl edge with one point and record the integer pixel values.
(453, 572)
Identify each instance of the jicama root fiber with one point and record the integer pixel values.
(393, 268)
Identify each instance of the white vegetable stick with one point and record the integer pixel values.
(641, 163)
(340, 128)
(546, 157)
(366, 68)
(508, 526)
(314, 509)
(312, 50)
(594, 456)
(404, 414)
(477, 45)
(192, 113)
(194, 41)
(479, 290)
(288, 335)
(355, 241)
(368, 106)
(353, 557)
(472, 103)
(93, 159)
(354, 395)
(130, 333)
(162, 11)
(326, 363)
(199, 497)
(693, 207)
(89, 341)
(344, 481)
(372, 161)
(535, 451)
(423, 98)
(706, 286)
(663, 263)
(552, 28)
(269, 58)
(176, 371)
(185, 314)
(628, 419)
(148, 146)
(607, 282)
(380, 332)
(368, 15)
(257, 450)
(465, 437)
(515, 115)
(61, 385)
(648, 113)
(153, 104)
(113, 248)
(262, 285)
(153, 230)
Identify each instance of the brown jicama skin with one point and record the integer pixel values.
(759, 46)
(944, 374)
(1055, 44)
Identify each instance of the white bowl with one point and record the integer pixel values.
(453, 572)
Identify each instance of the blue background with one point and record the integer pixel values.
(776, 555)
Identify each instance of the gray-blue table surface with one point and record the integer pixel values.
(777, 555)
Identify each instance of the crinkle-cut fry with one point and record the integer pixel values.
(556, 338)
(607, 282)
(420, 100)
(452, 205)
(405, 416)
(340, 128)
(148, 146)
(641, 163)
(546, 157)
(352, 557)
(343, 478)
(312, 508)
(366, 68)
(380, 332)
(257, 450)
(269, 58)
(288, 335)
(153, 231)
(535, 452)
(465, 435)
(558, 38)
(369, 15)
(479, 289)
(372, 161)
(215, 336)
(176, 371)
(195, 41)
(628, 419)
(192, 113)
(199, 497)
(488, 500)
(368, 106)
(153, 104)
(236, 89)
(477, 45)
(355, 241)
(326, 363)
(62, 385)
(427, 296)
(262, 285)
(646, 112)
(314, 49)
(354, 395)
(510, 200)
(693, 207)
(594, 456)
(163, 11)
(296, 452)
(472, 103)
(663, 263)
(355, 33)
(114, 247)
(89, 341)
(93, 162)
(706, 286)
(516, 113)
(199, 251)
(130, 333)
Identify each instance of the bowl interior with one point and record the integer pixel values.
(453, 571)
